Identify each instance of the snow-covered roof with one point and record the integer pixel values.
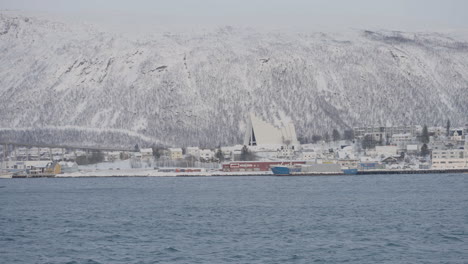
(192, 148)
(402, 135)
(146, 150)
(175, 149)
(68, 164)
(37, 163)
(369, 159)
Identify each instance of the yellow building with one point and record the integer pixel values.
(175, 153)
(53, 168)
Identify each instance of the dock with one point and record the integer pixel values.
(435, 171)
(16, 176)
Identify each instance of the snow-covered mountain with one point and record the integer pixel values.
(63, 83)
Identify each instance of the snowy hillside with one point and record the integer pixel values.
(197, 88)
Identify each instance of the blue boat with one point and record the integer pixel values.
(307, 169)
(350, 171)
(281, 170)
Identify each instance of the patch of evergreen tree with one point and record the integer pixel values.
(348, 134)
(336, 135)
(368, 142)
(448, 128)
(424, 150)
(425, 135)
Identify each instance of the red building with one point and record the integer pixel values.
(255, 165)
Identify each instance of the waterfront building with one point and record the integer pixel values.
(53, 168)
(348, 163)
(33, 167)
(449, 159)
(371, 166)
(255, 165)
(68, 166)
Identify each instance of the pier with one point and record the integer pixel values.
(14, 176)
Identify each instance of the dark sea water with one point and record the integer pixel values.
(334, 219)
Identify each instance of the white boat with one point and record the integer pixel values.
(5, 175)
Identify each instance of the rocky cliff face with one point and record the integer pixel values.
(196, 89)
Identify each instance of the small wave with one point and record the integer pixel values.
(92, 261)
(453, 238)
(296, 257)
(391, 244)
(171, 249)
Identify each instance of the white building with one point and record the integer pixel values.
(68, 166)
(457, 135)
(412, 148)
(136, 155)
(285, 153)
(346, 153)
(112, 155)
(450, 159)
(308, 155)
(348, 163)
(236, 151)
(381, 133)
(35, 166)
(146, 153)
(175, 153)
(437, 131)
(227, 153)
(402, 140)
(260, 133)
(193, 151)
(206, 154)
(384, 151)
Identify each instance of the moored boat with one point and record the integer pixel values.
(350, 171)
(307, 169)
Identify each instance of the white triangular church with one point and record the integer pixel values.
(262, 133)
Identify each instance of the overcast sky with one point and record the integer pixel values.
(410, 15)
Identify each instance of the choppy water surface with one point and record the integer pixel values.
(354, 219)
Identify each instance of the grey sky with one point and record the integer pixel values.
(389, 14)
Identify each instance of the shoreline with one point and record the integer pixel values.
(152, 173)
